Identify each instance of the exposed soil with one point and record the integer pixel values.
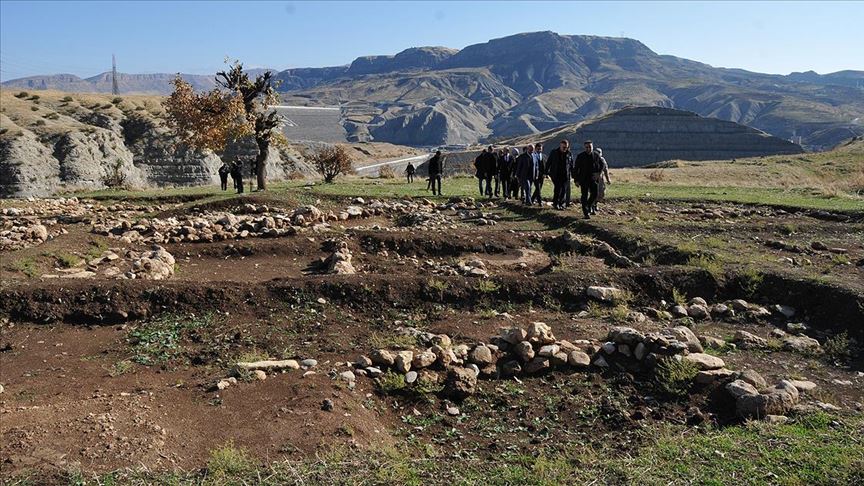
(81, 391)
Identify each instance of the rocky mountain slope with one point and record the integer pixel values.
(55, 141)
(532, 82)
(644, 135)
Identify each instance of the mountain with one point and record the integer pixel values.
(532, 82)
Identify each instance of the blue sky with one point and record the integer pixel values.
(194, 37)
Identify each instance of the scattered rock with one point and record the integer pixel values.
(801, 344)
(411, 377)
(605, 294)
(738, 388)
(705, 361)
(270, 365)
(746, 340)
(540, 333)
(260, 375)
(481, 355)
(403, 360)
(327, 405)
(460, 383)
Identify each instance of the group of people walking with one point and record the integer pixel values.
(235, 170)
(521, 175)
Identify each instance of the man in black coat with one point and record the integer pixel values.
(558, 167)
(237, 176)
(480, 163)
(540, 163)
(526, 172)
(491, 171)
(436, 168)
(587, 164)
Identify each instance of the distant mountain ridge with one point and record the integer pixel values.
(532, 82)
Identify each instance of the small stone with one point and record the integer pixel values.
(481, 355)
(383, 357)
(424, 359)
(548, 350)
(803, 386)
(776, 419)
(712, 342)
(223, 384)
(698, 312)
(578, 359)
(403, 360)
(374, 372)
(327, 405)
(270, 365)
(348, 376)
(698, 301)
(686, 336)
(704, 361)
(513, 335)
(363, 362)
(784, 310)
(410, 377)
(474, 368)
(640, 351)
(753, 378)
(609, 347)
(453, 411)
(801, 344)
(460, 383)
(540, 333)
(605, 294)
(558, 359)
(461, 351)
(511, 368)
(746, 340)
(260, 375)
(600, 362)
(625, 335)
(797, 328)
(308, 363)
(710, 376)
(678, 311)
(524, 351)
(741, 387)
(537, 365)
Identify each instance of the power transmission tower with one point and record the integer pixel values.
(114, 88)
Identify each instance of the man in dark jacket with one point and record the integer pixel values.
(223, 176)
(558, 167)
(526, 171)
(409, 172)
(587, 163)
(480, 170)
(491, 171)
(505, 167)
(237, 176)
(436, 168)
(540, 163)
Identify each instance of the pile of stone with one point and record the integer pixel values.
(698, 309)
(631, 349)
(339, 262)
(214, 226)
(259, 370)
(18, 233)
(154, 264)
(471, 267)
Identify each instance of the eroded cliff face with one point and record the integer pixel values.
(56, 141)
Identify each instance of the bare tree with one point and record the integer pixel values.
(331, 161)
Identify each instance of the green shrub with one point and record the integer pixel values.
(750, 280)
(229, 461)
(117, 100)
(107, 105)
(839, 348)
(66, 260)
(22, 94)
(34, 98)
(34, 108)
(674, 378)
(487, 286)
(390, 383)
(707, 263)
(66, 99)
(27, 266)
(679, 297)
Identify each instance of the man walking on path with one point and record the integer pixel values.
(237, 176)
(558, 166)
(409, 172)
(505, 168)
(491, 171)
(436, 167)
(587, 164)
(539, 173)
(601, 183)
(223, 176)
(526, 171)
(480, 170)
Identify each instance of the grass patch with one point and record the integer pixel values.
(750, 281)
(708, 263)
(159, 340)
(229, 461)
(392, 341)
(95, 249)
(65, 259)
(120, 368)
(390, 383)
(26, 265)
(487, 287)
